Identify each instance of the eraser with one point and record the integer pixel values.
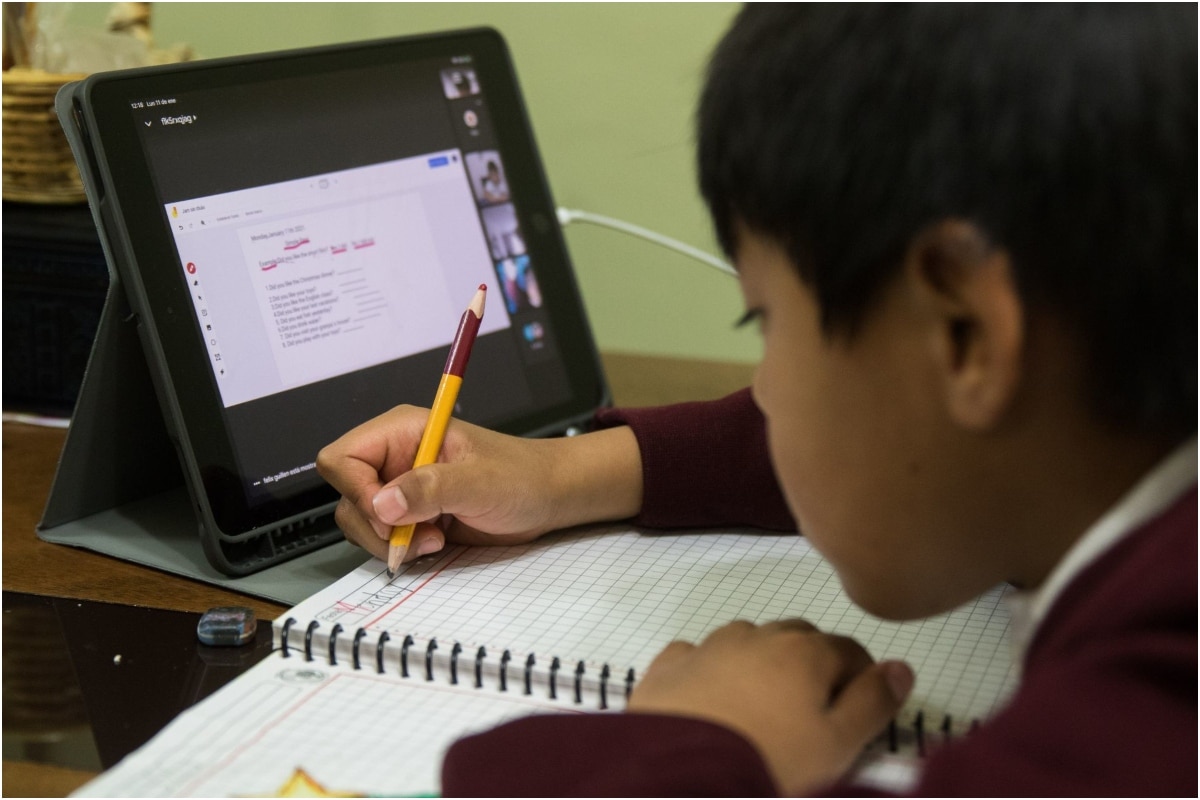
(227, 625)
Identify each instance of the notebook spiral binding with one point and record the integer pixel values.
(908, 733)
(426, 662)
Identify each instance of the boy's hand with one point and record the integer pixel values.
(486, 488)
(808, 701)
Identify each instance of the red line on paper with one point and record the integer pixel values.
(408, 596)
(257, 737)
(297, 244)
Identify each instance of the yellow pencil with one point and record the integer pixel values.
(439, 416)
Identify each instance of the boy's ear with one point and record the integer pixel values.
(976, 319)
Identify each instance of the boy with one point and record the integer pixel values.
(968, 235)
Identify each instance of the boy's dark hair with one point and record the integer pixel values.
(1067, 134)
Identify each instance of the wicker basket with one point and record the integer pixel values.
(38, 165)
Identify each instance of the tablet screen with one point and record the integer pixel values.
(304, 232)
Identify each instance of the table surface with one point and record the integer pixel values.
(32, 566)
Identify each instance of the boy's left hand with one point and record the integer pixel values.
(808, 701)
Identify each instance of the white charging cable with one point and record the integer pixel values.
(568, 215)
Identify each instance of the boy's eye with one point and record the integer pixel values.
(751, 315)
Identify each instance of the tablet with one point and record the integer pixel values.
(298, 234)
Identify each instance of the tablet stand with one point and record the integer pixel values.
(116, 423)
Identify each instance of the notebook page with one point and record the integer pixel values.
(290, 727)
(617, 596)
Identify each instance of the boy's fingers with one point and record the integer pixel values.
(350, 518)
(871, 698)
(422, 494)
(675, 651)
(382, 446)
(359, 529)
(353, 467)
(790, 624)
(427, 538)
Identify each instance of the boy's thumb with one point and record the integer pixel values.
(865, 705)
(420, 494)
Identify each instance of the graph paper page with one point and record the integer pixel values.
(617, 596)
(606, 596)
(288, 727)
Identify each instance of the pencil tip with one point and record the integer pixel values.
(395, 559)
(479, 301)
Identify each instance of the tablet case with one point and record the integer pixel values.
(119, 488)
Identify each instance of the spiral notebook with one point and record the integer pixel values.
(372, 680)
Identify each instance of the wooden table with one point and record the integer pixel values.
(36, 567)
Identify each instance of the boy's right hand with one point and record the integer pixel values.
(808, 701)
(486, 488)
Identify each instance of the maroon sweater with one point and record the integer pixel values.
(1106, 706)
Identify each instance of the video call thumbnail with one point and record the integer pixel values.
(519, 284)
(503, 232)
(487, 177)
(458, 83)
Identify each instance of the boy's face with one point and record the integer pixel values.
(861, 445)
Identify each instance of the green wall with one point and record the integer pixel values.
(611, 88)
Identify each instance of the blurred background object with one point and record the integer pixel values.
(38, 166)
(55, 276)
(43, 49)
